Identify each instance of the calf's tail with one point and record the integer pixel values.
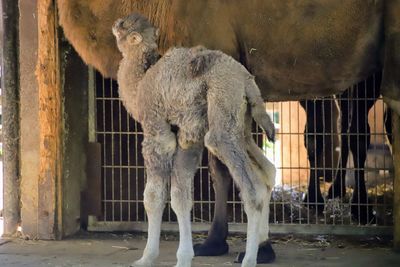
(257, 106)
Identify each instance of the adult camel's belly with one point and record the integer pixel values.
(296, 49)
(311, 48)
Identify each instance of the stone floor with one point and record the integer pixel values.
(107, 250)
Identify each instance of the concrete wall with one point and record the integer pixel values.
(29, 142)
(75, 137)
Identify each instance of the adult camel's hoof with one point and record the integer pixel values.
(211, 248)
(362, 214)
(266, 254)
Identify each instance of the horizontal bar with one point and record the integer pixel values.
(327, 134)
(273, 202)
(303, 229)
(102, 98)
(278, 168)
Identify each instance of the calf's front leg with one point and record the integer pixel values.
(158, 158)
(185, 165)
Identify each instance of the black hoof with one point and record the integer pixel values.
(265, 254)
(362, 214)
(211, 249)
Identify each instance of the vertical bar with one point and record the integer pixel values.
(104, 148)
(201, 196)
(112, 155)
(323, 135)
(290, 164)
(374, 141)
(396, 161)
(209, 197)
(129, 165)
(315, 167)
(358, 134)
(120, 160)
(299, 157)
(136, 171)
(306, 143)
(332, 134)
(91, 106)
(10, 102)
(367, 135)
(385, 171)
(283, 167)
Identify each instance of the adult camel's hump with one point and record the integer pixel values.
(296, 49)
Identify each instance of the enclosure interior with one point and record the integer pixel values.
(334, 125)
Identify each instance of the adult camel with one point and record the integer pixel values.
(296, 49)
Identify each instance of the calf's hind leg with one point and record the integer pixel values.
(265, 169)
(232, 152)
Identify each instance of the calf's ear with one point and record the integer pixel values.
(135, 38)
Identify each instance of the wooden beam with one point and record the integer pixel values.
(50, 121)
(396, 161)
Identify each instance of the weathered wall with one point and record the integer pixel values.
(53, 135)
(10, 99)
(75, 137)
(29, 106)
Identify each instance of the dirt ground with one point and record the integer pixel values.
(107, 250)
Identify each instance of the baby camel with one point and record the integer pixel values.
(210, 98)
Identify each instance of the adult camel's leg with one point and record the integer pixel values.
(360, 139)
(358, 146)
(313, 141)
(186, 162)
(216, 244)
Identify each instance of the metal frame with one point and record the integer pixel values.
(123, 177)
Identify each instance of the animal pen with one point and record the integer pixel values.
(123, 174)
(49, 194)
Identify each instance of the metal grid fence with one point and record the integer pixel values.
(327, 135)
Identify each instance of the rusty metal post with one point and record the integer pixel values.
(396, 162)
(10, 88)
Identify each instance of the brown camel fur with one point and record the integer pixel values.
(296, 49)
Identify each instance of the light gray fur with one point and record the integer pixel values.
(211, 98)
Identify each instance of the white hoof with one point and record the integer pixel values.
(249, 262)
(184, 262)
(142, 263)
